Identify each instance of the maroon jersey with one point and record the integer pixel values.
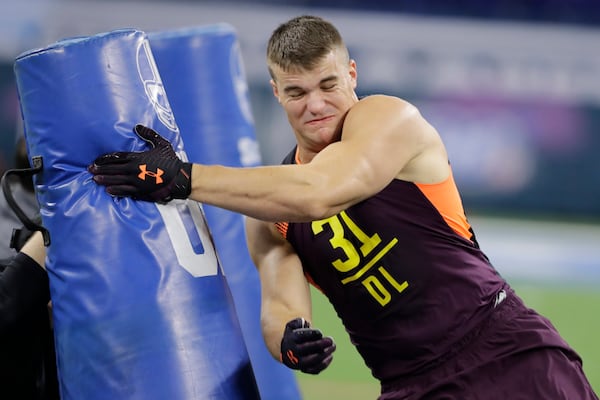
(404, 273)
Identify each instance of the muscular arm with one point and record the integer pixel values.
(383, 138)
(23, 285)
(284, 290)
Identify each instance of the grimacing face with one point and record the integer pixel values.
(316, 101)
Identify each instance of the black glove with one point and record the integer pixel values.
(154, 175)
(305, 348)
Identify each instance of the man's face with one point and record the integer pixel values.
(316, 101)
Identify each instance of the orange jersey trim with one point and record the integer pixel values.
(445, 198)
(282, 227)
(297, 156)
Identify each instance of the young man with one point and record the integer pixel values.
(366, 209)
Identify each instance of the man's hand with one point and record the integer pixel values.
(305, 348)
(154, 175)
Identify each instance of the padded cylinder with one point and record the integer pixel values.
(141, 307)
(203, 73)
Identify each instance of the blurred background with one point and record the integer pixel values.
(513, 88)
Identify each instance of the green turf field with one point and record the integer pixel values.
(574, 310)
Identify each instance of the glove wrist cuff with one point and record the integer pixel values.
(182, 185)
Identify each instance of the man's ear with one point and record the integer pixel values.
(353, 73)
(275, 90)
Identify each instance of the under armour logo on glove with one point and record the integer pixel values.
(125, 173)
(291, 357)
(156, 175)
(304, 348)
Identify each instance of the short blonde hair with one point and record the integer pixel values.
(301, 43)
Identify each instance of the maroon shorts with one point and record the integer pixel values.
(516, 354)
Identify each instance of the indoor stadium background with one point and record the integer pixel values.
(511, 86)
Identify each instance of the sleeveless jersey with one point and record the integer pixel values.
(403, 271)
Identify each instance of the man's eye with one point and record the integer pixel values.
(295, 94)
(328, 87)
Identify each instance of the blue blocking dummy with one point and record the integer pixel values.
(141, 308)
(203, 74)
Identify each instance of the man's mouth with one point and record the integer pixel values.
(320, 120)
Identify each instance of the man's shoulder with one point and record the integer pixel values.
(383, 99)
(381, 108)
(382, 104)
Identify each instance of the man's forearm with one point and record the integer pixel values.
(280, 193)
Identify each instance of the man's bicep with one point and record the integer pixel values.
(269, 250)
(261, 240)
(391, 139)
(282, 279)
(381, 135)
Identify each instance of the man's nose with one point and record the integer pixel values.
(315, 102)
